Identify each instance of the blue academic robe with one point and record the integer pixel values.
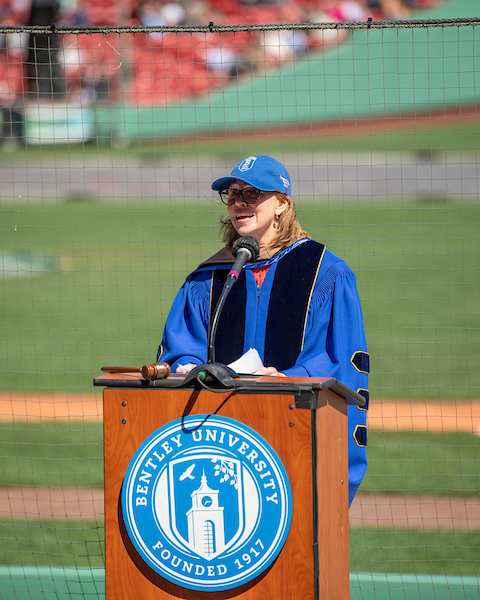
(306, 320)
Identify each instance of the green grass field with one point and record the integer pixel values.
(414, 552)
(70, 454)
(407, 136)
(96, 282)
(53, 543)
(116, 266)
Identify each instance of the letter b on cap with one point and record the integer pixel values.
(247, 164)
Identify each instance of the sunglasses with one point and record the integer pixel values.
(250, 195)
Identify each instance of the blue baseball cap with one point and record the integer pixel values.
(263, 172)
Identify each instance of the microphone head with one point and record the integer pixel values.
(247, 242)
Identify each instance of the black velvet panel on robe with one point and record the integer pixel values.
(294, 279)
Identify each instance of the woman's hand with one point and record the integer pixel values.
(270, 371)
(185, 368)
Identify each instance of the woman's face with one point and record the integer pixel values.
(256, 219)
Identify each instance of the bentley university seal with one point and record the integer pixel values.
(206, 503)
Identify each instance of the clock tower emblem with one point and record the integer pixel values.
(206, 525)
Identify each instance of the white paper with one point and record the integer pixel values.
(245, 365)
(248, 363)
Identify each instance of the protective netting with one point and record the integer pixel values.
(111, 136)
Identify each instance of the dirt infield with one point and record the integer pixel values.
(399, 415)
(31, 407)
(368, 510)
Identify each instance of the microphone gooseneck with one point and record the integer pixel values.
(244, 249)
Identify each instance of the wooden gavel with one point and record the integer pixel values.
(149, 372)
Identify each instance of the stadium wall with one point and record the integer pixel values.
(340, 84)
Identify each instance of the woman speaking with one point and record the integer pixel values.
(296, 304)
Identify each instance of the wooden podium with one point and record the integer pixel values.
(303, 419)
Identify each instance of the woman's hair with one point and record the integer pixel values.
(288, 229)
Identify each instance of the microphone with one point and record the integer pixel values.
(244, 249)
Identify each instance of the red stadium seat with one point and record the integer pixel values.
(172, 67)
